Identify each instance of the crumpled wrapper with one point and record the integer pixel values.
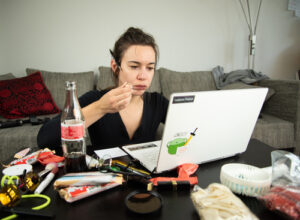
(219, 203)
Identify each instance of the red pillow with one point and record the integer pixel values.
(25, 96)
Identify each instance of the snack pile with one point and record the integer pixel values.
(218, 202)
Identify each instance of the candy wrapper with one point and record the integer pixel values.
(29, 159)
(72, 194)
(87, 179)
(218, 202)
(22, 153)
(49, 157)
(284, 200)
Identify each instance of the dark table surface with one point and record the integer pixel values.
(176, 205)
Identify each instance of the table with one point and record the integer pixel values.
(176, 205)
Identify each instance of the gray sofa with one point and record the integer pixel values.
(279, 125)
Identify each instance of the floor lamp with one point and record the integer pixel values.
(252, 30)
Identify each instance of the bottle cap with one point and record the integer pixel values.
(70, 84)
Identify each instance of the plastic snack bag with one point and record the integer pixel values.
(72, 194)
(284, 196)
(87, 179)
(285, 169)
(218, 202)
(285, 200)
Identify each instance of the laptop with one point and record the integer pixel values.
(201, 127)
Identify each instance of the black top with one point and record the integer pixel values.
(110, 131)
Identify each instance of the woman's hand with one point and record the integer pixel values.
(113, 101)
(116, 99)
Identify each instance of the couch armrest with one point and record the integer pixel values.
(285, 103)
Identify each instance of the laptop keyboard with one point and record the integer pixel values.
(142, 147)
(147, 154)
(151, 157)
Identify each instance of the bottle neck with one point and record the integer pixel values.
(71, 98)
(72, 109)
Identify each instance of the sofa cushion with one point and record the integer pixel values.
(274, 131)
(7, 76)
(241, 85)
(17, 138)
(25, 96)
(55, 81)
(106, 80)
(172, 81)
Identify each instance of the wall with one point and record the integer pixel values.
(3, 63)
(75, 35)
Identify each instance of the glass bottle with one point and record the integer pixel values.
(73, 132)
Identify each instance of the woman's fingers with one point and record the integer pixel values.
(122, 89)
(119, 98)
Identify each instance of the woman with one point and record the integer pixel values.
(126, 114)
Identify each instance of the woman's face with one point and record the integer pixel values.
(137, 68)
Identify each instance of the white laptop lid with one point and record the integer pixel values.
(208, 125)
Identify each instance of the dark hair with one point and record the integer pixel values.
(132, 36)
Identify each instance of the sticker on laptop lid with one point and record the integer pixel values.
(183, 99)
(180, 144)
